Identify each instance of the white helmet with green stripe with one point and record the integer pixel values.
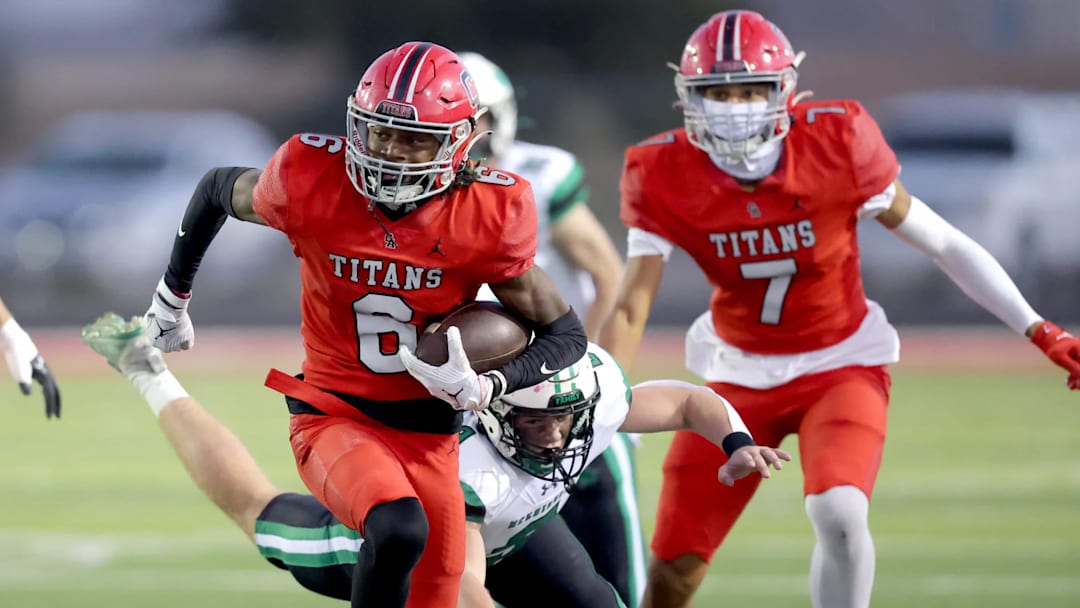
(497, 94)
(573, 391)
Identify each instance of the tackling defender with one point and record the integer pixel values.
(517, 459)
(576, 252)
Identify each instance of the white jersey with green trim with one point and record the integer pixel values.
(511, 503)
(558, 183)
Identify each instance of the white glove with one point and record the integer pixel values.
(26, 365)
(167, 323)
(19, 351)
(454, 382)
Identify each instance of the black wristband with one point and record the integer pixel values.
(498, 385)
(734, 441)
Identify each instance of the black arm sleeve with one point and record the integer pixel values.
(557, 345)
(210, 205)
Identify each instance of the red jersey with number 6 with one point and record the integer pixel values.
(371, 283)
(783, 257)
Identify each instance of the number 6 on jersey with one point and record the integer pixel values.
(378, 315)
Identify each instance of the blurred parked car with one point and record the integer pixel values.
(1000, 165)
(90, 211)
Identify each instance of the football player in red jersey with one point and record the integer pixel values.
(765, 193)
(394, 228)
(25, 363)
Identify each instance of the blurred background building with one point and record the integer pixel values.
(113, 109)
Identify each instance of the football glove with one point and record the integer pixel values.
(26, 365)
(454, 382)
(167, 323)
(1061, 347)
(123, 344)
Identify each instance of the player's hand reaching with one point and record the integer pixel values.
(751, 458)
(454, 382)
(1062, 348)
(26, 365)
(167, 323)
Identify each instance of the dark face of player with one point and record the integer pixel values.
(401, 145)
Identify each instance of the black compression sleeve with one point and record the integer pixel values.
(210, 205)
(557, 345)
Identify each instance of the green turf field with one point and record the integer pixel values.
(978, 503)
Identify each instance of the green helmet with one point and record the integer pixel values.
(497, 95)
(574, 391)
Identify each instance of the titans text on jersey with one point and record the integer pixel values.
(770, 240)
(385, 273)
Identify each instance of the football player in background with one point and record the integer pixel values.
(572, 246)
(25, 362)
(518, 458)
(576, 252)
(765, 192)
(394, 227)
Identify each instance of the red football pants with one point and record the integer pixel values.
(352, 463)
(840, 418)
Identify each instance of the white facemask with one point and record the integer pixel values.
(735, 122)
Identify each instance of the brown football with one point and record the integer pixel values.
(490, 335)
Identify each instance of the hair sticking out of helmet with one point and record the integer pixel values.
(419, 88)
(497, 95)
(736, 48)
(568, 399)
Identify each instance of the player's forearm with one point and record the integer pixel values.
(621, 335)
(209, 207)
(599, 258)
(712, 416)
(217, 461)
(596, 315)
(606, 284)
(674, 405)
(472, 593)
(555, 346)
(969, 265)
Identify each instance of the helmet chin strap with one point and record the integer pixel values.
(756, 165)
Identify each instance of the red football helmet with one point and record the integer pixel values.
(421, 87)
(735, 47)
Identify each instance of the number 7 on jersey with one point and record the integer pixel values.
(779, 273)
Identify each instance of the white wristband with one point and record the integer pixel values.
(169, 296)
(158, 389)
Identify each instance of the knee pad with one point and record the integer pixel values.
(398, 528)
(838, 513)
